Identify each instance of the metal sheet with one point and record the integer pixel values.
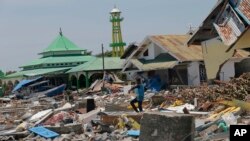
(243, 8)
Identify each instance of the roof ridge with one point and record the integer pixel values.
(62, 43)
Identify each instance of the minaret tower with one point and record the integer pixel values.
(117, 43)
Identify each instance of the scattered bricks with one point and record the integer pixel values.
(206, 106)
(167, 127)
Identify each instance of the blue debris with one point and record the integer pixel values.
(44, 132)
(135, 133)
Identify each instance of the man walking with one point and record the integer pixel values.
(139, 90)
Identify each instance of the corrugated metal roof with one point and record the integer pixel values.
(110, 63)
(244, 7)
(176, 46)
(61, 59)
(36, 72)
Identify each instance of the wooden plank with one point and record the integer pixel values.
(244, 105)
(208, 130)
(85, 118)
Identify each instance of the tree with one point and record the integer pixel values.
(88, 53)
(1, 74)
(106, 54)
(10, 72)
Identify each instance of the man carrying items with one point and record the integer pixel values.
(139, 90)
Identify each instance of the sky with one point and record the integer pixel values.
(29, 26)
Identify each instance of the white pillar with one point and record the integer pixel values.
(193, 71)
(227, 71)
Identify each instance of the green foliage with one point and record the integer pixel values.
(10, 72)
(121, 76)
(88, 53)
(1, 74)
(106, 54)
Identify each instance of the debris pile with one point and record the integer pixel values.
(237, 88)
(94, 114)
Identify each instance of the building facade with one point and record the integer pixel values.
(59, 57)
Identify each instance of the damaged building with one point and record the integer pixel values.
(223, 34)
(173, 60)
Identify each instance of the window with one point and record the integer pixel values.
(203, 74)
(145, 53)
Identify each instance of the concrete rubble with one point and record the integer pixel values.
(182, 113)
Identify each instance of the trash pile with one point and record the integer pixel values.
(236, 88)
(99, 114)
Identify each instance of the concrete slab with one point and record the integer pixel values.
(167, 127)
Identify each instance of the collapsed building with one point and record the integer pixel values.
(223, 33)
(219, 49)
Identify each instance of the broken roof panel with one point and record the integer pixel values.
(131, 48)
(229, 26)
(206, 30)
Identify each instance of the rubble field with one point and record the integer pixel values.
(94, 115)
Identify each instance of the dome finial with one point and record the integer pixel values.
(60, 31)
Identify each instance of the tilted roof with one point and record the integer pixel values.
(131, 48)
(219, 23)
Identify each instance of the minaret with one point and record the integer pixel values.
(117, 43)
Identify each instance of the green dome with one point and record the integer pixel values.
(61, 43)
